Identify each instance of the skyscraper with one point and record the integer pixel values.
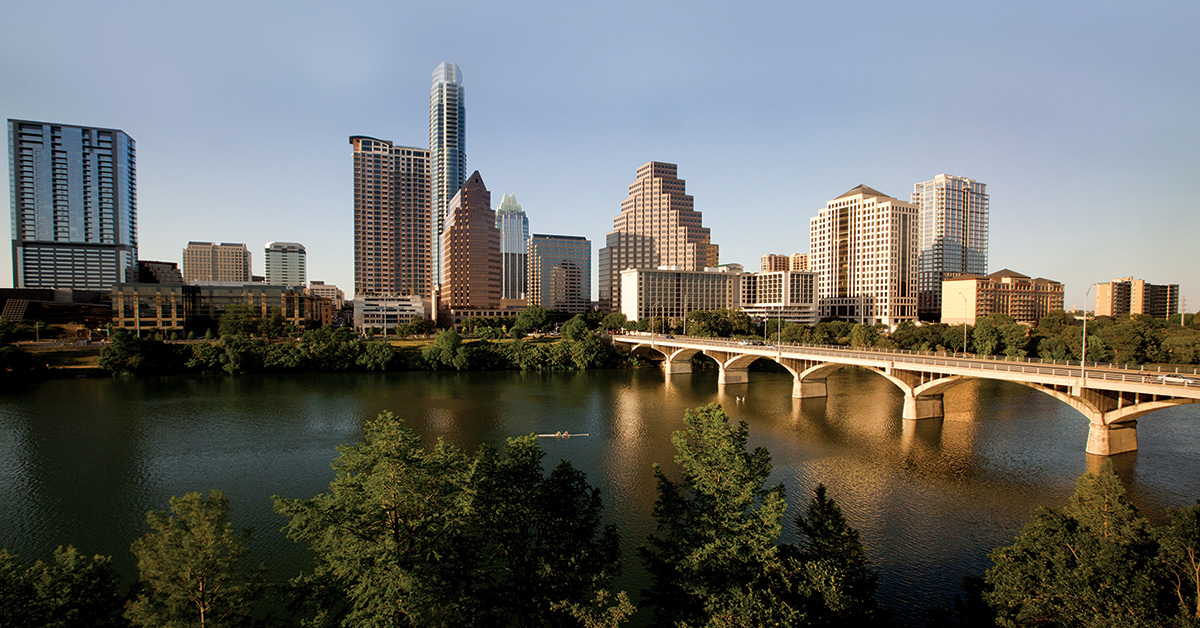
(953, 236)
(447, 151)
(863, 247)
(286, 264)
(657, 226)
(391, 219)
(74, 206)
(470, 248)
(514, 242)
(560, 273)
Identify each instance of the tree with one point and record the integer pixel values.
(71, 590)
(191, 566)
(376, 355)
(447, 350)
(613, 320)
(1179, 551)
(414, 536)
(239, 319)
(1091, 563)
(839, 587)
(712, 557)
(533, 318)
(575, 329)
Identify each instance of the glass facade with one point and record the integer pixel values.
(74, 206)
(953, 236)
(447, 152)
(560, 273)
(514, 244)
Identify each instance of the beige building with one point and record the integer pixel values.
(967, 298)
(470, 248)
(672, 292)
(791, 296)
(328, 291)
(391, 218)
(205, 261)
(773, 262)
(657, 226)
(1128, 296)
(863, 247)
(798, 262)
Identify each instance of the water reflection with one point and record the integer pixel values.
(82, 460)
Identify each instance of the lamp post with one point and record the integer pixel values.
(1083, 349)
(964, 298)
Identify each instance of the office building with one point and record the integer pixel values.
(470, 246)
(285, 264)
(560, 273)
(772, 262)
(967, 298)
(447, 152)
(391, 218)
(953, 234)
(864, 251)
(73, 192)
(798, 262)
(1128, 296)
(384, 313)
(206, 262)
(657, 226)
(787, 295)
(143, 307)
(670, 293)
(323, 290)
(514, 247)
(159, 272)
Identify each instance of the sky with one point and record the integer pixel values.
(1081, 117)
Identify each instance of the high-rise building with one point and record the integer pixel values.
(74, 206)
(798, 262)
(953, 234)
(391, 219)
(560, 273)
(470, 248)
(657, 226)
(286, 264)
(205, 262)
(447, 151)
(1128, 296)
(864, 251)
(772, 262)
(514, 245)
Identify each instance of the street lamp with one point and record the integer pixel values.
(1083, 349)
(964, 298)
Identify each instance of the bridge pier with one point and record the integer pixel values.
(1112, 439)
(677, 368)
(733, 376)
(808, 388)
(922, 407)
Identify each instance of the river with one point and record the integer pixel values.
(82, 460)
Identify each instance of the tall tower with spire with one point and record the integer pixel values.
(447, 152)
(514, 242)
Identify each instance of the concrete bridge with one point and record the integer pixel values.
(1112, 397)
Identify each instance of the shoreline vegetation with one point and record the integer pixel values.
(409, 535)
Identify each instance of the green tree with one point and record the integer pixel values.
(533, 318)
(838, 587)
(376, 355)
(414, 536)
(713, 557)
(613, 320)
(191, 566)
(70, 591)
(447, 350)
(1091, 563)
(240, 319)
(575, 329)
(1179, 551)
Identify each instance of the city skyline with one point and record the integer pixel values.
(1074, 116)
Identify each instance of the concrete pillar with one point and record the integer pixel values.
(806, 388)
(733, 376)
(677, 368)
(923, 407)
(1110, 440)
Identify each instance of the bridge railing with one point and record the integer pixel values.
(1060, 368)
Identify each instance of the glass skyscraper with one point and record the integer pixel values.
(74, 206)
(514, 244)
(560, 273)
(952, 236)
(447, 152)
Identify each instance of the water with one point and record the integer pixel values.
(81, 461)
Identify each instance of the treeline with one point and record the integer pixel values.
(414, 536)
(330, 349)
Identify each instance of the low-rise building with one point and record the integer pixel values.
(785, 294)
(384, 312)
(967, 297)
(183, 307)
(671, 292)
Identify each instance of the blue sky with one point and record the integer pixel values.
(1080, 116)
